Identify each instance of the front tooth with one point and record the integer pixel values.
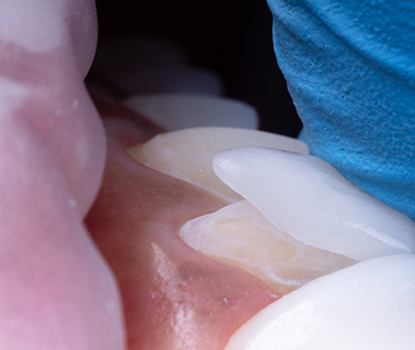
(175, 112)
(306, 198)
(188, 154)
(370, 305)
(239, 234)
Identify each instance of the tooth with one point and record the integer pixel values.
(370, 305)
(175, 112)
(306, 198)
(188, 154)
(241, 235)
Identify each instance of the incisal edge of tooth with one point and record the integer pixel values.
(308, 199)
(239, 234)
(188, 154)
(176, 111)
(370, 305)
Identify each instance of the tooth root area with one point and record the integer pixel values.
(240, 235)
(306, 198)
(188, 154)
(369, 305)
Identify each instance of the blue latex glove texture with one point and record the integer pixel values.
(350, 69)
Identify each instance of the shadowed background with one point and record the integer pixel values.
(232, 38)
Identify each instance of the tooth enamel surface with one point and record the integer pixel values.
(370, 305)
(188, 154)
(239, 234)
(306, 198)
(175, 112)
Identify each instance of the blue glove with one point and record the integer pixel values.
(350, 69)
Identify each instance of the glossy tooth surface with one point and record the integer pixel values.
(175, 112)
(306, 198)
(188, 154)
(239, 234)
(370, 305)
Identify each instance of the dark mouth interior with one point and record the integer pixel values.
(232, 38)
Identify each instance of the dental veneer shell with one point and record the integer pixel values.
(335, 215)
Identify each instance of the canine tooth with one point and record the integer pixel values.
(306, 198)
(239, 234)
(187, 154)
(175, 112)
(370, 305)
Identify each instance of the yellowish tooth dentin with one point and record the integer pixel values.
(240, 235)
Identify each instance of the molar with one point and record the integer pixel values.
(188, 154)
(370, 305)
(306, 198)
(240, 235)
